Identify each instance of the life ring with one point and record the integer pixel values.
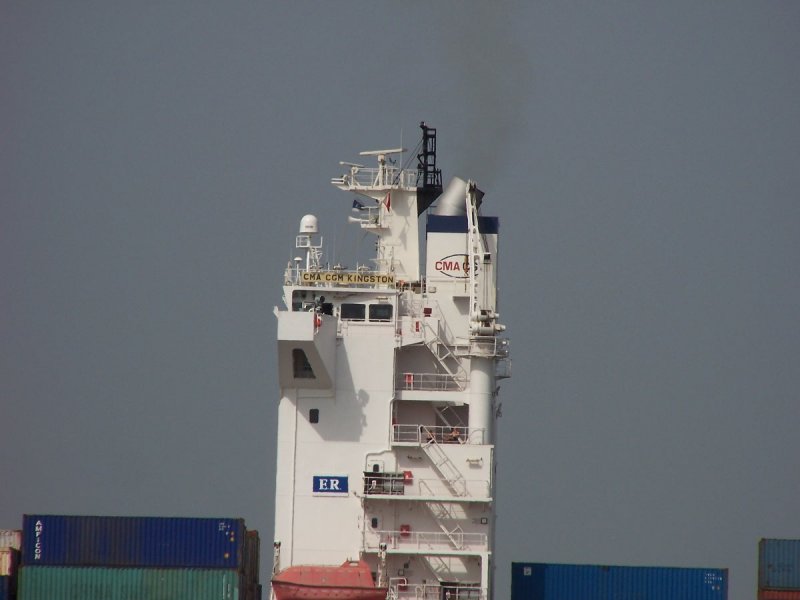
(317, 321)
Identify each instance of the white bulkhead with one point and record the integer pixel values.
(388, 384)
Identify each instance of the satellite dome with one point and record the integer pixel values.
(308, 224)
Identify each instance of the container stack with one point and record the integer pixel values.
(146, 558)
(778, 569)
(545, 581)
(10, 543)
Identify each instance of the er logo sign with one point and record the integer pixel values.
(330, 484)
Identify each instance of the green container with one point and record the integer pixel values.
(101, 583)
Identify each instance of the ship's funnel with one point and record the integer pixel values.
(453, 202)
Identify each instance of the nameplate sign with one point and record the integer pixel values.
(330, 484)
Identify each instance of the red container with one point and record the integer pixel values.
(778, 594)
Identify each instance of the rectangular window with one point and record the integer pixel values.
(313, 415)
(302, 300)
(352, 312)
(380, 312)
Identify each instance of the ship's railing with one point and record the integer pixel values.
(405, 484)
(430, 382)
(369, 217)
(422, 434)
(399, 591)
(377, 177)
(484, 346)
(502, 368)
(426, 540)
(436, 488)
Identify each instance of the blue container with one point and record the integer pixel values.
(5, 587)
(779, 564)
(542, 581)
(57, 540)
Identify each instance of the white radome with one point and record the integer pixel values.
(308, 224)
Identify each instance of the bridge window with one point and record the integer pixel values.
(353, 312)
(302, 300)
(300, 365)
(380, 312)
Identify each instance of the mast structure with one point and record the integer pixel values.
(388, 404)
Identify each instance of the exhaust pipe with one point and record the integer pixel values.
(453, 203)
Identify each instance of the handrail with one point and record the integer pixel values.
(416, 433)
(381, 484)
(488, 346)
(425, 540)
(387, 176)
(430, 382)
(435, 592)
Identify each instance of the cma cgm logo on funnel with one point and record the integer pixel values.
(330, 484)
(455, 265)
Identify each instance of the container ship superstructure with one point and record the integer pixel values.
(385, 476)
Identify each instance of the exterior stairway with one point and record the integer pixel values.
(456, 534)
(443, 513)
(440, 567)
(447, 469)
(450, 418)
(449, 362)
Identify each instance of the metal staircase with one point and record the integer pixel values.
(447, 469)
(439, 567)
(456, 534)
(448, 361)
(443, 512)
(450, 417)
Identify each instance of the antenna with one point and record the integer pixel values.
(429, 176)
(379, 152)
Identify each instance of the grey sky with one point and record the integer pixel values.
(644, 159)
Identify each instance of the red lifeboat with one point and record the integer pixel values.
(350, 581)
